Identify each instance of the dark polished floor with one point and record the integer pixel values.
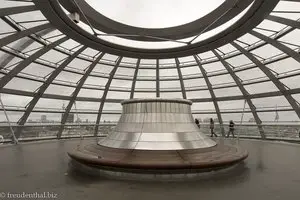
(272, 171)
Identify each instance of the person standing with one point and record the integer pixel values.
(212, 127)
(231, 129)
(197, 122)
(1, 139)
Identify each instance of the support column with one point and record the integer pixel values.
(212, 94)
(112, 73)
(134, 78)
(75, 93)
(43, 88)
(244, 92)
(180, 78)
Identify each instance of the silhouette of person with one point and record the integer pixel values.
(1, 139)
(231, 129)
(197, 122)
(212, 127)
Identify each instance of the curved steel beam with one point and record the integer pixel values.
(212, 94)
(134, 78)
(92, 99)
(75, 93)
(180, 79)
(281, 87)
(43, 88)
(292, 0)
(222, 14)
(20, 46)
(4, 80)
(16, 10)
(56, 15)
(281, 20)
(103, 99)
(292, 54)
(244, 92)
(14, 37)
(278, 45)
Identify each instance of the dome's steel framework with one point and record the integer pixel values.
(53, 28)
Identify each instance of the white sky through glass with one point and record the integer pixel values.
(154, 14)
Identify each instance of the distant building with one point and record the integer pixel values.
(206, 120)
(44, 118)
(251, 119)
(70, 118)
(78, 120)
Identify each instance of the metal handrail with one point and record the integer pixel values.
(240, 129)
(79, 110)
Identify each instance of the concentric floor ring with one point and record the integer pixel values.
(143, 161)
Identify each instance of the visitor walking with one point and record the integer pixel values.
(231, 129)
(212, 127)
(197, 122)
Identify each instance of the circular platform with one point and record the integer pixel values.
(270, 172)
(156, 137)
(157, 162)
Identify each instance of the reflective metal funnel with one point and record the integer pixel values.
(157, 124)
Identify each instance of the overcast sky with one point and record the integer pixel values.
(154, 13)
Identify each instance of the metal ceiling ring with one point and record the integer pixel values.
(225, 12)
(53, 11)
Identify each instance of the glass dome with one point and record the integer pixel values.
(63, 69)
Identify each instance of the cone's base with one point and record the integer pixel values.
(105, 159)
(151, 175)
